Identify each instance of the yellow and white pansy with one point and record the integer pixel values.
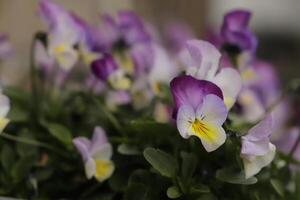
(96, 155)
(4, 109)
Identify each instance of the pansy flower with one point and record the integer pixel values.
(127, 39)
(202, 62)
(199, 110)
(96, 155)
(64, 34)
(235, 32)
(257, 151)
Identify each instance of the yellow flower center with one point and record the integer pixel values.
(103, 168)
(203, 130)
(59, 48)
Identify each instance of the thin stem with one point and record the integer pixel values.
(111, 117)
(31, 142)
(33, 75)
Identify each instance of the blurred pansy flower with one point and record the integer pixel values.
(96, 155)
(235, 32)
(4, 109)
(64, 34)
(106, 69)
(202, 62)
(5, 47)
(257, 151)
(116, 98)
(127, 39)
(199, 110)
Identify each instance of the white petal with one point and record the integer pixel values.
(90, 168)
(252, 107)
(185, 116)
(230, 82)
(206, 56)
(4, 105)
(103, 153)
(217, 138)
(213, 110)
(253, 165)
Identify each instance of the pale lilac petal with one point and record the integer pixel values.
(262, 130)
(42, 59)
(187, 90)
(82, 144)
(99, 138)
(5, 47)
(257, 148)
(206, 56)
(185, 116)
(212, 110)
(230, 82)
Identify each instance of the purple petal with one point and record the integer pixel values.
(132, 28)
(103, 67)
(82, 145)
(143, 57)
(235, 30)
(187, 90)
(236, 20)
(261, 131)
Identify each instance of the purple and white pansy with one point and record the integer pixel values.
(199, 110)
(96, 155)
(257, 151)
(64, 34)
(202, 62)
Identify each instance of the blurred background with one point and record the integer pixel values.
(276, 23)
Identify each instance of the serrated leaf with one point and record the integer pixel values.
(234, 176)
(60, 132)
(278, 187)
(161, 161)
(173, 192)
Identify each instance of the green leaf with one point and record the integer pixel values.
(200, 188)
(61, 133)
(234, 176)
(297, 189)
(25, 149)
(22, 167)
(278, 187)
(7, 157)
(173, 192)
(148, 127)
(163, 162)
(189, 164)
(126, 149)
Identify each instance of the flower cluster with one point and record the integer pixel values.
(204, 113)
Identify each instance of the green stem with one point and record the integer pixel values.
(111, 117)
(31, 142)
(33, 76)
